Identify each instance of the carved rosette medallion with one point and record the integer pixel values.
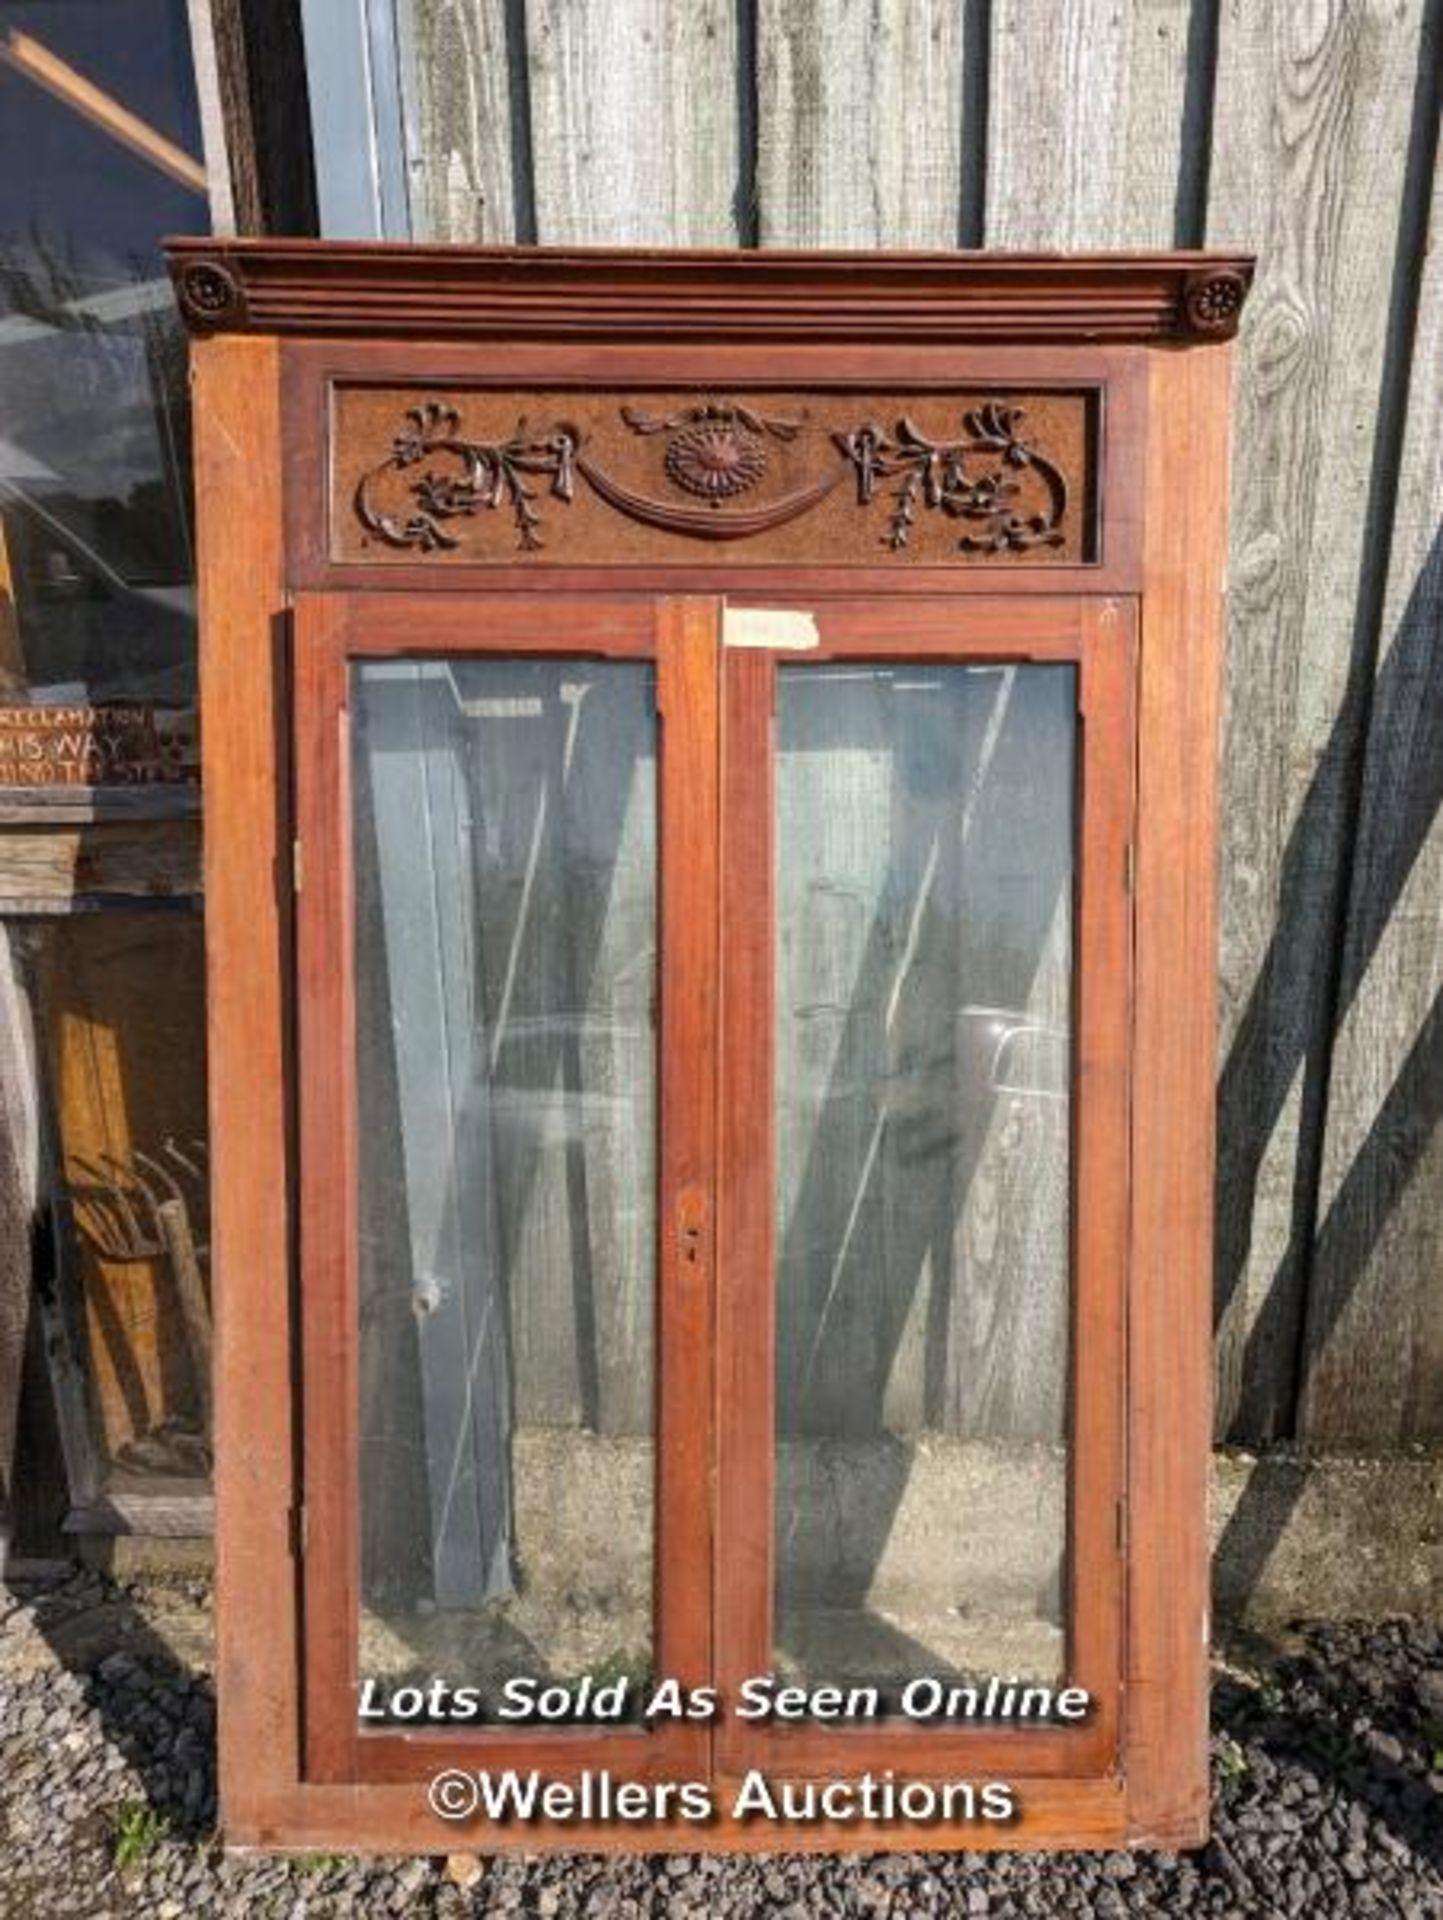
(1005, 492)
(713, 451)
(208, 293)
(715, 460)
(1213, 303)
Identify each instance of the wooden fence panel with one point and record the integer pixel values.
(634, 122)
(1312, 120)
(1298, 132)
(1373, 1349)
(859, 123)
(1088, 133)
(461, 85)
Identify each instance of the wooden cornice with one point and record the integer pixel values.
(328, 288)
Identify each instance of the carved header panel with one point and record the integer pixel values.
(477, 477)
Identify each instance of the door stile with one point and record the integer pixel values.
(746, 1412)
(1097, 1519)
(688, 698)
(326, 1524)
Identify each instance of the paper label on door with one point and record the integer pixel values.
(786, 629)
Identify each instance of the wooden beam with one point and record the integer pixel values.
(237, 389)
(1170, 1285)
(41, 65)
(74, 869)
(265, 110)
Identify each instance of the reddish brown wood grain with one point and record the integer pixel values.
(1170, 1321)
(326, 381)
(242, 598)
(688, 696)
(599, 293)
(396, 1818)
(326, 1246)
(745, 1353)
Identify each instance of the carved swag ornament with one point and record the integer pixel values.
(1006, 494)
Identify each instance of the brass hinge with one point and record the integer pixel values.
(1129, 866)
(299, 1531)
(1121, 1524)
(296, 866)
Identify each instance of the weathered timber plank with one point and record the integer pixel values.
(460, 112)
(634, 121)
(1373, 1343)
(81, 806)
(56, 869)
(261, 81)
(19, 1199)
(120, 1008)
(859, 123)
(1087, 122)
(1312, 123)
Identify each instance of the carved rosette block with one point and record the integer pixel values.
(1213, 303)
(208, 294)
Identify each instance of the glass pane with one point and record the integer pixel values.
(99, 156)
(924, 912)
(505, 867)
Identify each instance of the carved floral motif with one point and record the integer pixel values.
(715, 461)
(714, 452)
(974, 478)
(463, 476)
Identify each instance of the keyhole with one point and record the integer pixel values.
(690, 1223)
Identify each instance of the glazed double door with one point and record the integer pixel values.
(712, 1023)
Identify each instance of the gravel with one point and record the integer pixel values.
(1327, 1775)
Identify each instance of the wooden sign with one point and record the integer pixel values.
(94, 746)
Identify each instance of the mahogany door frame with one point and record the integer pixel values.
(704, 321)
(1097, 636)
(675, 635)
